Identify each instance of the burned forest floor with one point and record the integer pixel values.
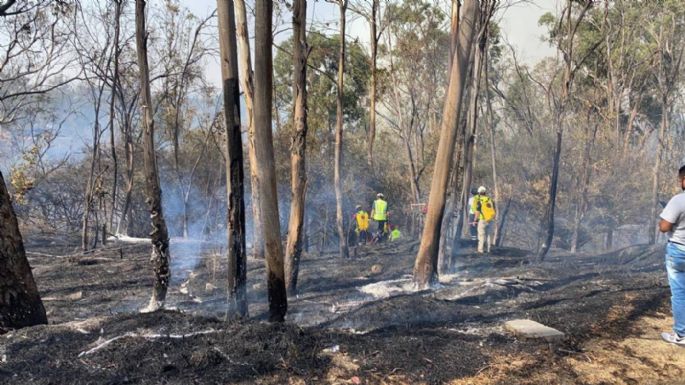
(355, 321)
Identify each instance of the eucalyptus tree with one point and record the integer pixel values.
(237, 261)
(264, 156)
(298, 147)
(159, 234)
(425, 266)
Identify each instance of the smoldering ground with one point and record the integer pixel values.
(352, 318)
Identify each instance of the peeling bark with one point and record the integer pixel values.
(264, 156)
(298, 176)
(159, 234)
(246, 82)
(425, 267)
(237, 258)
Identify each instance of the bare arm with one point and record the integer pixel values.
(665, 226)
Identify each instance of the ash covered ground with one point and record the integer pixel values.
(356, 321)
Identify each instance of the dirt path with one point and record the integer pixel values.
(636, 357)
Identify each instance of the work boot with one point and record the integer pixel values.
(673, 338)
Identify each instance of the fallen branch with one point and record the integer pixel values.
(146, 336)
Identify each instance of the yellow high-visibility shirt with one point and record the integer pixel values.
(380, 210)
(362, 218)
(395, 234)
(477, 206)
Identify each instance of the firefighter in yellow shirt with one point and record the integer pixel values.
(361, 218)
(379, 213)
(483, 215)
(395, 233)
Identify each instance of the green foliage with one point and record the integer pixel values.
(321, 82)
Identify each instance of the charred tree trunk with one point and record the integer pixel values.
(470, 145)
(159, 234)
(237, 259)
(339, 217)
(493, 148)
(87, 205)
(559, 124)
(655, 171)
(459, 191)
(446, 260)
(124, 219)
(246, 79)
(112, 103)
(549, 217)
(92, 179)
(298, 175)
(20, 303)
(609, 242)
(426, 260)
(375, 4)
(264, 155)
(586, 174)
(500, 225)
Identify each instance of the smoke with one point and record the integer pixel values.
(196, 221)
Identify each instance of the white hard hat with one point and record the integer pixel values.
(482, 189)
(379, 195)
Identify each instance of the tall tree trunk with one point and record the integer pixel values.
(159, 234)
(264, 155)
(559, 125)
(586, 174)
(375, 4)
(446, 260)
(237, 262)
(493, 148)
(471, 136)
(20, 303)
(92, 178)
(413, 173)
(298, 174)
(549, 217)
(652, 230)
(87, 205)
(609, 241)
(426, 260)
(112, 103)
(124, 219)
(344, 252)
(246, 82)
(502, 221)
(458, 192)
(454, 32)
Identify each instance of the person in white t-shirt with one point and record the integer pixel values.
(673, 222)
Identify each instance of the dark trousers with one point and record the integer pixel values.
(381, 227)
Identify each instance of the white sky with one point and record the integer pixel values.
(519, 24)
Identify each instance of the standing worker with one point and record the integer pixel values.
(673, 223)
(379, 213)
(483, 216)
(361, 218)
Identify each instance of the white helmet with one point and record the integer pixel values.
(482, 189)
(379, 195)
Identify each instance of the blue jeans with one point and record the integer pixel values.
(675, 267)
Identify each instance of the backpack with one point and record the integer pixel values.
(487, 209)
